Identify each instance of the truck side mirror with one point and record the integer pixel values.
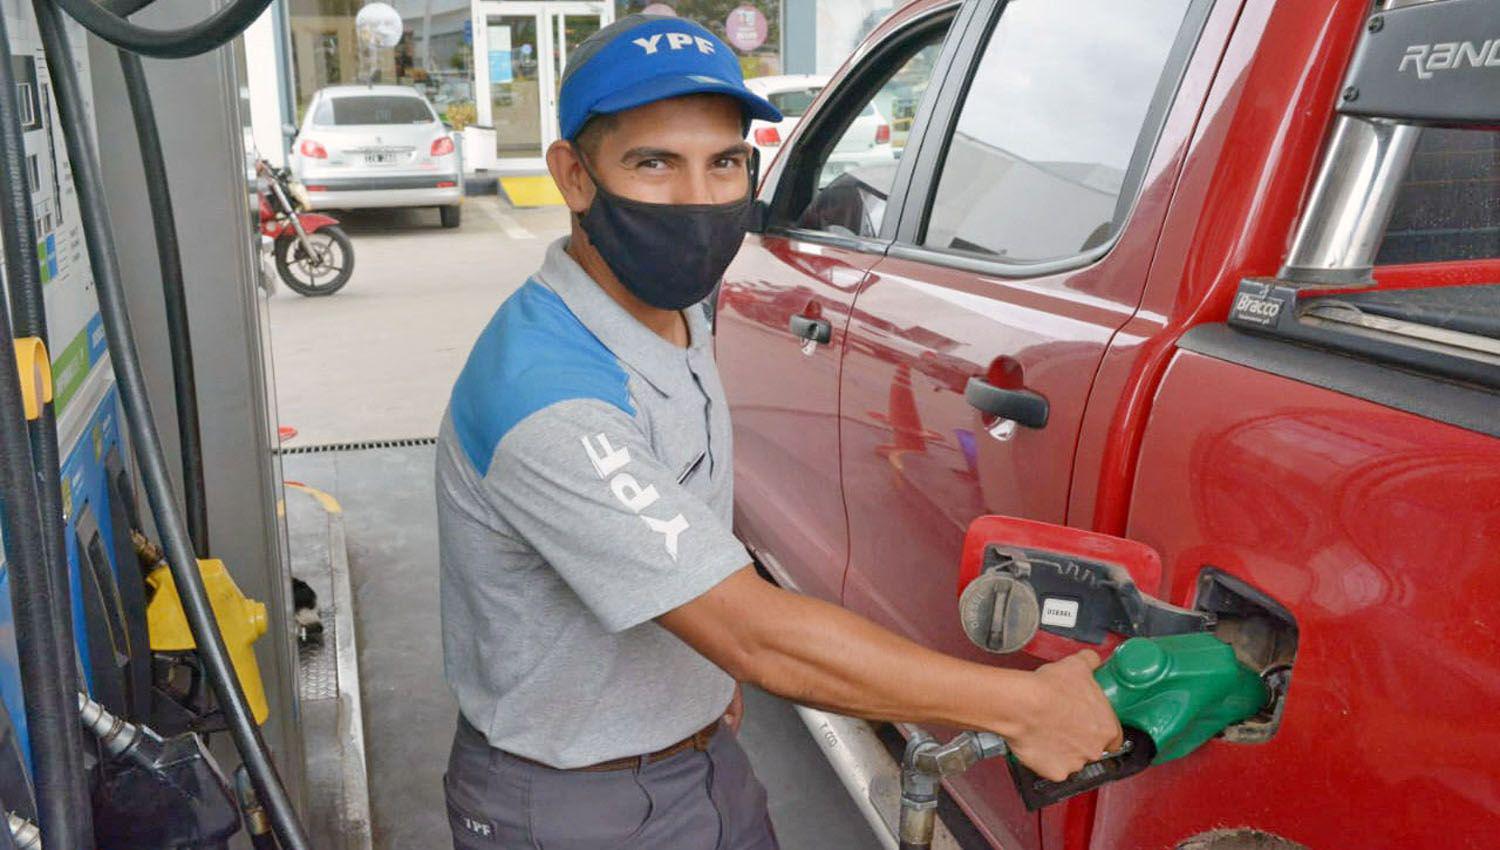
(1048, 588)
(759, 210)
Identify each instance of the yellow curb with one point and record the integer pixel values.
(533, 191)
(329, 503)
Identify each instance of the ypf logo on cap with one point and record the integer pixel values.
(674, 41)
(642, 59)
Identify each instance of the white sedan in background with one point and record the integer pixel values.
(866, 142)
(377, 146)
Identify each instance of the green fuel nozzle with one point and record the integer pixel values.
(1170, 693)
(1180, 690)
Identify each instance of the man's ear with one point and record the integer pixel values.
(571, 177)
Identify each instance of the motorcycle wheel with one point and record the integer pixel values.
(322, 273)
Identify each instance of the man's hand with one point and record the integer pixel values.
(816, 654)
(734, 715)
(1070, 723)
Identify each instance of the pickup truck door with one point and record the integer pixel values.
(784, 307)
(1023, 245)
(782, 388)
(1365, 495)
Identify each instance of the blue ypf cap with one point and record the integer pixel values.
(641, 59)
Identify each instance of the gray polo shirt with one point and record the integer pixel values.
(583, 489)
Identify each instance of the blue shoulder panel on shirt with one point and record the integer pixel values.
(533, 354)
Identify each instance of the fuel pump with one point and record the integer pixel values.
(213, 32)
(174, 774)
(1177, 677)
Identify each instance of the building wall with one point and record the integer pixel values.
(436, 50)
(262, 58)
(435, 53)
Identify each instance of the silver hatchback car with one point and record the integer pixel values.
(377, 146)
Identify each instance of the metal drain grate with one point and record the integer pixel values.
(355, 447)
(317, 663)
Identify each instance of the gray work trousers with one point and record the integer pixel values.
(694, 800)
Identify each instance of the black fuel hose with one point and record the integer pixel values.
(131, 383)
(208, 34)
(125, 8)
(174, 293)
(58, 788)
(47, 588)
(174, 289)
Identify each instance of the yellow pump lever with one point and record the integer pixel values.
(241, 621)
(35, 368)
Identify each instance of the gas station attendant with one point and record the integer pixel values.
(598, 611)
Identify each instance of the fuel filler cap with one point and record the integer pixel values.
(999, 612)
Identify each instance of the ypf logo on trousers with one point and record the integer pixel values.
(610, 462)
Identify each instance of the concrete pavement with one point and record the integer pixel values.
(376, 360)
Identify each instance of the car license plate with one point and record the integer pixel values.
(379, 158)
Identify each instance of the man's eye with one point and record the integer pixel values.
(652, 164)
(727, 162)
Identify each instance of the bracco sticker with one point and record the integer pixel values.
(1256, 309)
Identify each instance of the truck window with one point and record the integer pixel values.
(851, 180)
(1449, 204)
(358, 110)
(1059, 108)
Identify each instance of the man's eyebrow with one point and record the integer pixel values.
(649, 153)
(741, 149)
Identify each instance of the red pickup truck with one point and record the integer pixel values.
(1139, 269)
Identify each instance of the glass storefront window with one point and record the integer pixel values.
(435, 54)
(515, 90)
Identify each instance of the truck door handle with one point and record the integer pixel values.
(817, 330)
(1021, 406)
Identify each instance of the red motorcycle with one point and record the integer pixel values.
(313, 254)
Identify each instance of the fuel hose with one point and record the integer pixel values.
(32, 499)
(208, 34)
(131, 382)
(174, 293)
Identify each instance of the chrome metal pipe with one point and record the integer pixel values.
(114, 734)
(923, 769)
(1351, 201)
(870, 774)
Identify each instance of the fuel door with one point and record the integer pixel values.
(1044, 589)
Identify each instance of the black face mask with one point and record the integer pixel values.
(670, 256)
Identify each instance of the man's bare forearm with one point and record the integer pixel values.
(810, 652)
